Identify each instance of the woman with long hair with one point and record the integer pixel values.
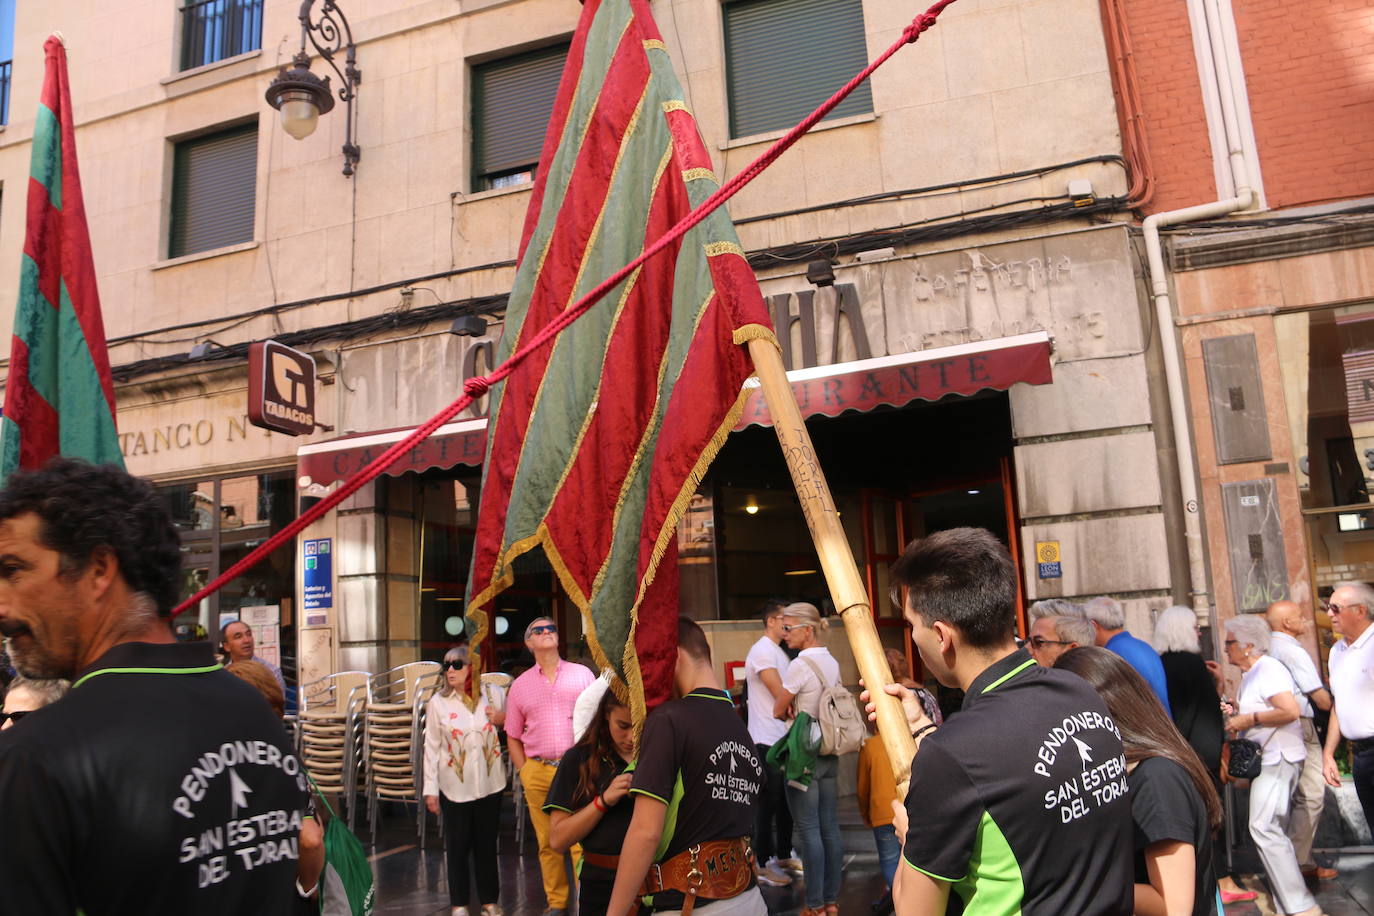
(464, 779)
(1173, 804)
(815, 816)
(587, 799)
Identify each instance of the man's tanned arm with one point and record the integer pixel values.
(641, 840)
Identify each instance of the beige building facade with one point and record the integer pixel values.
(970, 208)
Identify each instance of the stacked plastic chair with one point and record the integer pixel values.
(330, 733)
(394, 734)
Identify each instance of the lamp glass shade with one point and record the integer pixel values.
(299, 114)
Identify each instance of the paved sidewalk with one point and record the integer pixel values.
(410, 878)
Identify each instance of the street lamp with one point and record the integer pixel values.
(301, 96)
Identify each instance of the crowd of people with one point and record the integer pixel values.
(1077, 771)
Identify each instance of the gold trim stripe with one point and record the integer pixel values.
(654, 44)
(674, 105)
(748, 332)
(716, 249)
(696, 174)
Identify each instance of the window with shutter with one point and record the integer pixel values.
(785, 57)
(214, 186)
(512, 99)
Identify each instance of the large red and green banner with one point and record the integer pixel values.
(598, 442)
(59, 397)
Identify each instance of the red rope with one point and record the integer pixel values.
(476, 386)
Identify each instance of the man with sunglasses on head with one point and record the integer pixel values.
(1352, 688)
(539, 730)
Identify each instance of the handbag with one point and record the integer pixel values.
(1243, 758)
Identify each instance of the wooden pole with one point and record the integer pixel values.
(837, 561)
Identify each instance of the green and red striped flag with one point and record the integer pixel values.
(59, 397)
(598, 442)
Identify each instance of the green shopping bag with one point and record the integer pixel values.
(346, 882)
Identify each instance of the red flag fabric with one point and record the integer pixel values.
(59, 396)
(597, 444)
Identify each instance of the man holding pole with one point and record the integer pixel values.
(695, 785)
(1021, 798)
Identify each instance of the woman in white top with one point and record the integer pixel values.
(464, 778)
(815, 819)
(1266, 711)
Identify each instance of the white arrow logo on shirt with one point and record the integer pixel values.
(239, 790)
(1084, 752)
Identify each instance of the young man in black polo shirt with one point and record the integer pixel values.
(696, 782)
(1018, 804)
(161, 783)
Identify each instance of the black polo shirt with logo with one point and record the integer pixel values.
(697, 758)
(608, 835)
(160, 784)
(1020, 802)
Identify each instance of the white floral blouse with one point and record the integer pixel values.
(462, 751)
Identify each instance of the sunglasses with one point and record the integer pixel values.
(13, 716)
(789, 627)
(456, 666)
(1041, 642)
(543, 628)
(1340, 608)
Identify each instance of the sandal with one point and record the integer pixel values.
(832, 909)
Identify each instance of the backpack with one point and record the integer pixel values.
(346, 882)
(842, 722)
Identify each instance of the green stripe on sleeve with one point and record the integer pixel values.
(930, 874)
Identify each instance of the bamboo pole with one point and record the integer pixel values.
(837, 561)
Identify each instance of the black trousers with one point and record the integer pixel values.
(772, 819)
(470, 830)
(1363, 771)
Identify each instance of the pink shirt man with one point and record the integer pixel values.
(539, 713)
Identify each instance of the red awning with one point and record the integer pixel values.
(861, 385)
(453, 444)
(923, 375)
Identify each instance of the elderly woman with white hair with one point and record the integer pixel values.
(1196, 713)
(1266, 711)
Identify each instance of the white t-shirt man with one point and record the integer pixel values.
(1299, 664)
(764, 654)
(1268, 677)
(1352, 684)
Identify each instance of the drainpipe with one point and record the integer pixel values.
(1164, 312)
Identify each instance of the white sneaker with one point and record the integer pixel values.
(771, 877)
(777, 871)
(492, 909)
